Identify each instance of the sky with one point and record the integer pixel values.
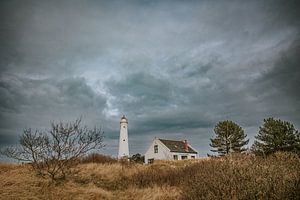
(174, 68)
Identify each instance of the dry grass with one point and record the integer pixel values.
(98, 158)
(91, 181)
(239, 177)
(245, 177)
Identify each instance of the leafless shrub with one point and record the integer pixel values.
(53, 153)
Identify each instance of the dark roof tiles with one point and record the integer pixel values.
(177, 146)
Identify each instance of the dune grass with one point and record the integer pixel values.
(236, 177)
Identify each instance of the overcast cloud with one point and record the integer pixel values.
(174, 68)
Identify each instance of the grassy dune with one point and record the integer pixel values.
(236, 177)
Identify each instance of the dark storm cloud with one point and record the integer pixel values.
(156, 104)
(284, 77)
(34, 102)
(278, 88)
(141, 90)
(18, 92)
(175, 68)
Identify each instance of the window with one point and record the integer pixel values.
(150, 161)
(175, 157)
(193, 157)
(183, 157)
(155, 148)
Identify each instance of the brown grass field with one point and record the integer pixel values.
(236, 177)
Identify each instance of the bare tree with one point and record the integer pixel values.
(53, 153)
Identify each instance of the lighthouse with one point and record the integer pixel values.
(123, 142)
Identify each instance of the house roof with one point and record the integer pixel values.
(177, 146)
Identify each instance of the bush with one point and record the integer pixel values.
(244, 177)
(156, 175)
(98, 158)
(238, 176)
(55, 152)
(137, 158)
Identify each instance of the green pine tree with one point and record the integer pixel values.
(230, 137)
(276, 135)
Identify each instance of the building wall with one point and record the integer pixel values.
(164, 153)
(189, 155)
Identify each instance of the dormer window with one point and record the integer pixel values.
(155, 148)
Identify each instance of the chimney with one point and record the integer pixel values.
(186, 146)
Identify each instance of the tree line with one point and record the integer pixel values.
(274, 135)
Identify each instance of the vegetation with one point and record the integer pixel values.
(276, 135)
(138, 158)
(53, 153)
(98, 158)
(239, 176)
(230, 137)
(65, 149)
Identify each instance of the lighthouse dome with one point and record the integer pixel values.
(124, 119)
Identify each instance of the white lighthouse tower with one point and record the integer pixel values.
(123, 143)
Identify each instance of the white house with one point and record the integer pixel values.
(161, 149)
